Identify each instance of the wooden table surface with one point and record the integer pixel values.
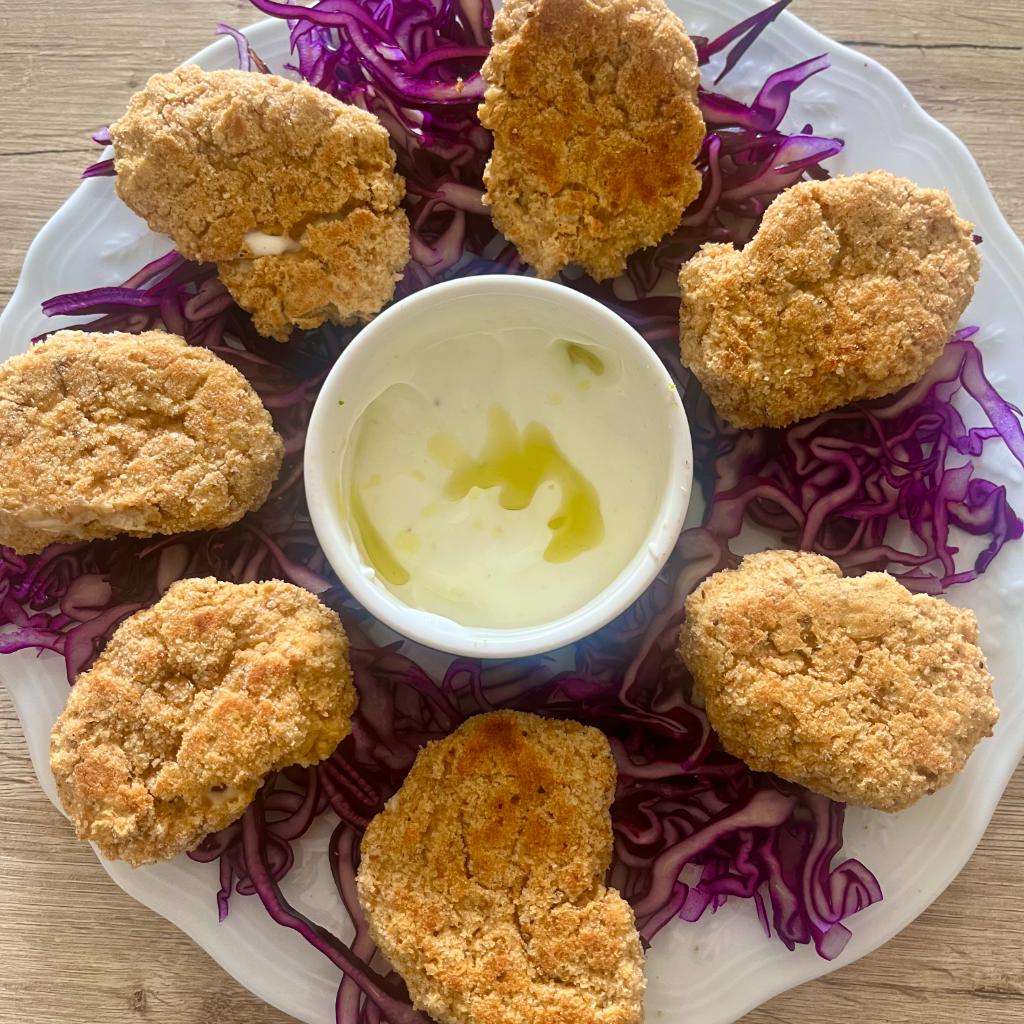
(73, 947)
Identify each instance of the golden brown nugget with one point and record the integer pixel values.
(141, 434)
(593, 106)
(849, 291)
(483, 879)
(853, 687)
(291, 193)
(172, 731)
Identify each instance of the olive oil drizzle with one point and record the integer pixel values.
(580, 355)
(518, 463)
(378, 553)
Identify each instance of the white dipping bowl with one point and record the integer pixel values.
(442, 311)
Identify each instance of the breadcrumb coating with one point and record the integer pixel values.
(483, 879)
(852, 687)
(141, 434)
(171, 732)
(208, 157)
(593, 106)
(849, 291)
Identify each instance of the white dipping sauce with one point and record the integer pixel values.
(504, 478)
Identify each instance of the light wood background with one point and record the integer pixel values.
(73, 947)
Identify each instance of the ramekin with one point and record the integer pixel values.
(420, 319)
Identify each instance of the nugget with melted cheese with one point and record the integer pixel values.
(291, 193)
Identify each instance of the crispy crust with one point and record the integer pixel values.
(849, 291)
(208, 156)
(852, 687)
(171, 732)
(596, 127)
(482, 880)
(106, 434)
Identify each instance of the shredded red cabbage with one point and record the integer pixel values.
(884, 485)
(248, 59)
(680, 800)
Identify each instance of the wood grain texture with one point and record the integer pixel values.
(73, 947)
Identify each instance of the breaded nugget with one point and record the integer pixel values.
(219, 160)
(483, 879)
(105, 434)
(853, 687)
(593, 105)
(171, 732)
(849, 291)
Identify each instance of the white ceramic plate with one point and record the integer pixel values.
(715, 971)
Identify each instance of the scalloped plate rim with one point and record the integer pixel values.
(998, 235)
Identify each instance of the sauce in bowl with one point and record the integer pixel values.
(504, 477)
(497, 466)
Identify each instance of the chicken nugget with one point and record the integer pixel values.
(483, 879)
(172, 731)
(291, 193)
(593, 106)
(852, 687)
(849, 291)
(140, 434)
